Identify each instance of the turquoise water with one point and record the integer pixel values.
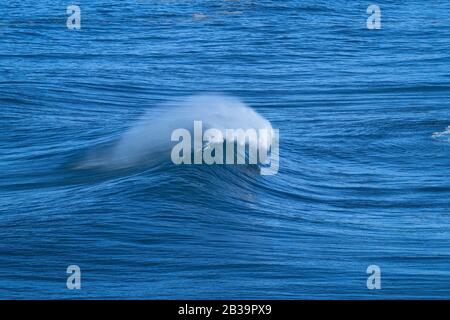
(364, 150)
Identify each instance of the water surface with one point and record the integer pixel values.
(364, 150)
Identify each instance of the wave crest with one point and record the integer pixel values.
(443, 135)
(148, 141)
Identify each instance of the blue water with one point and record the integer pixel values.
(364, 150)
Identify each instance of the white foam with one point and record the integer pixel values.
(150, 136)
(443, 134)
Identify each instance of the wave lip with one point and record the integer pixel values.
(148, 141)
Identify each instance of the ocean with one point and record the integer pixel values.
(364, 150)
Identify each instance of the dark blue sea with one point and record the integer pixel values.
(364, 162)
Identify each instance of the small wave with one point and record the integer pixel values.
(443, 135)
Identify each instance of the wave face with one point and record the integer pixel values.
(148, 141)
(86, 176)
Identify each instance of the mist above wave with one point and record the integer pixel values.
(148, 140)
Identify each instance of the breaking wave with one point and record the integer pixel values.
(148, 141)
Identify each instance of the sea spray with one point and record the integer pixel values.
(148, 141)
